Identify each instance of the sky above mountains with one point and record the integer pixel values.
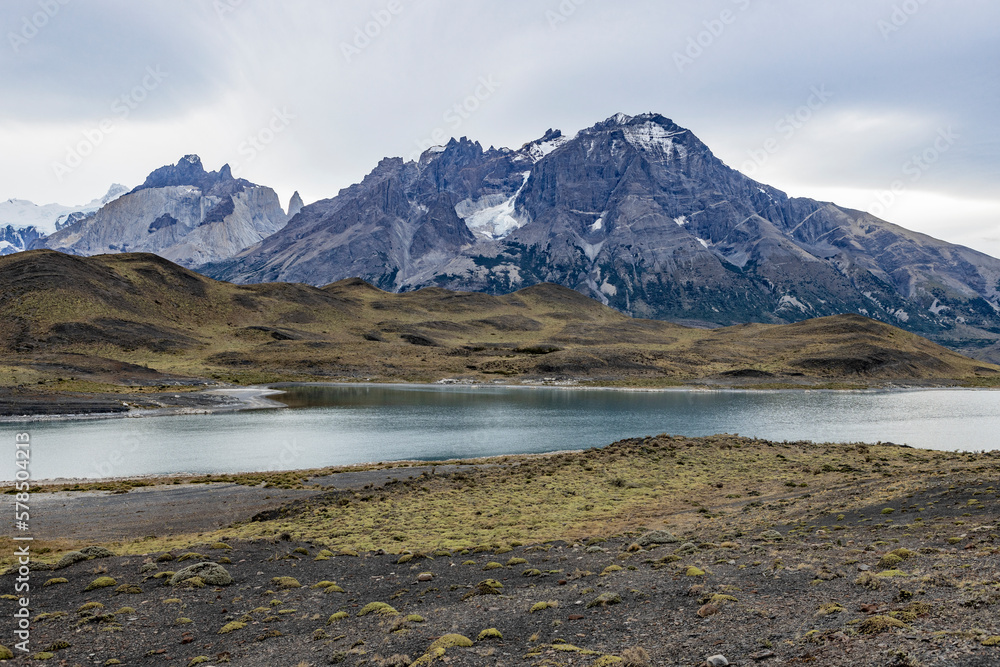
(882, 105)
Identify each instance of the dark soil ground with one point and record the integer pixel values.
(856, 574)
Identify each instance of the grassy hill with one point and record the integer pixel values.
(136, 319)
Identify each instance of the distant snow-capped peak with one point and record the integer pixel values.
(49, 218)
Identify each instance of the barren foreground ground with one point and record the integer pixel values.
(657, 551)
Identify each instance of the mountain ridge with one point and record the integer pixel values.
(637, 212)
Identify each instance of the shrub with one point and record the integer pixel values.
(379, 608)
(635, 657)
(876, 625)
(448, 641)
(232, 627)
(604, 600)
(285, 582)
(100, 582)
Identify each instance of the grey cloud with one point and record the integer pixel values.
(561, 63)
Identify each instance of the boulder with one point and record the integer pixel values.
(212, 574)
(657, 537)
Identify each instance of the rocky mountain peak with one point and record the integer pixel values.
(180, 212)
(189, 171)
(114, 192)
(549, 142)
(295, 204)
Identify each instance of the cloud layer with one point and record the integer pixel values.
(848, 99)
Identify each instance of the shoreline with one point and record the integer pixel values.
(254, 397)
(312, 473)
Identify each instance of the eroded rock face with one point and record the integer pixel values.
(182, 213)
(636, 212)
(295, 204)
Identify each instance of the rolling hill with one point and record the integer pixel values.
(138, 319)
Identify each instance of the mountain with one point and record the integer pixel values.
(14, 239)
(181, 212)
(638, 213)
(63, 316)
(22, 222)
(295, 204)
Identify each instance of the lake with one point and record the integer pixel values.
(338, 425)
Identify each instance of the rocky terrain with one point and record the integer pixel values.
(652, 551)
(182, 213)
(638, 213)
(78, 328)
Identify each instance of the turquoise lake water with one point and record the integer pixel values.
(337, 425)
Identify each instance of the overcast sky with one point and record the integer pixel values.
(843, 101)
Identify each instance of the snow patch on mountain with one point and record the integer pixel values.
(789, 301)
(550, 142)
(652, 137)
(592, 250)
(493, 216)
